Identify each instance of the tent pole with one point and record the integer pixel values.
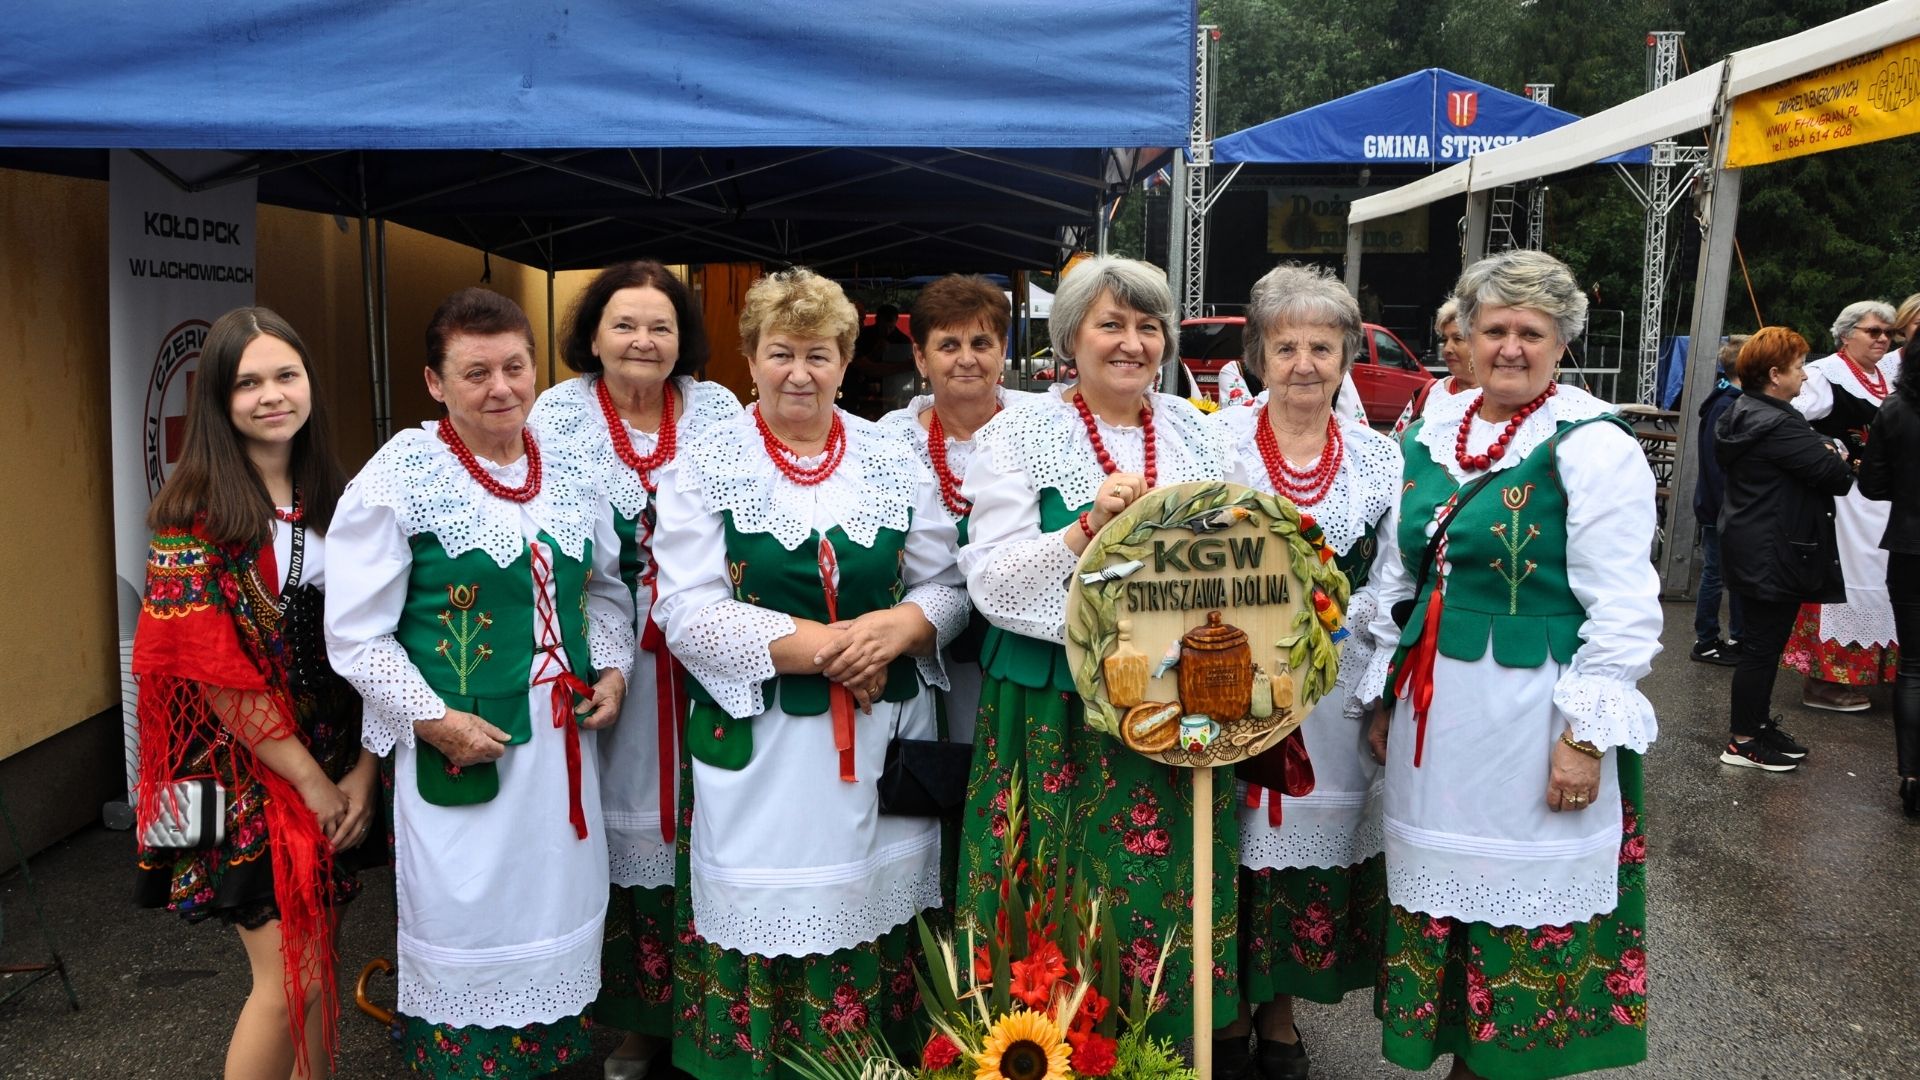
(553, 337)
(1709, 321)
(383, 423)
(1354, 230)
(1479, 203)
(366, 288)
(1100, 224)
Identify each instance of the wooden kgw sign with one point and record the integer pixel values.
(1202, 623)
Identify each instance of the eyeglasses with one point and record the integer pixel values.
(1875, 331)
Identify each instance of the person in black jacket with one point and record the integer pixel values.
(1890, 471)
(1776, 531)
(1708, 648)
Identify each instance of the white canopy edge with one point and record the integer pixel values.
(1683, 105)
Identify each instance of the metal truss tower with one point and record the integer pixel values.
(1539, 94)
(1187, 231)
(1663, 66)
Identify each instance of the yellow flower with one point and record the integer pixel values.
(1023, 1046)
(1205, 405)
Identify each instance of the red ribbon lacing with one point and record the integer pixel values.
(839, 696)
(669, 688)
(1415, 680)
(553, 672)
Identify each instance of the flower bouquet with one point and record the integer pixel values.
(1040, 999)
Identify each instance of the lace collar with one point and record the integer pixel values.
(873, 488)
(1839, 374)
(906, 419)
(569, 415)
(1441, 425)
(1363, 490)
(1043, 435)
(429, 491)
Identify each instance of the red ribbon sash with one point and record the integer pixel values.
(839, 696)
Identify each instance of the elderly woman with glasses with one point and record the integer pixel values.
(1516, 935)
(1844, 648)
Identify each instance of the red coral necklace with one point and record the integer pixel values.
(1871, 379)
(937, 453)
(784, 457)
(1470, 462)
(524, 493)
(664, 444)
(1304, 486)
(1152, 470)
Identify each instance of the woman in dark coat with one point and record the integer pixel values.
(1890, 470)
(1776, 532)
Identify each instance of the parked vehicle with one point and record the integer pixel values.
(1387, 373)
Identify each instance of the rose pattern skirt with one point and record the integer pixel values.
(1831, 661)
(1311, 932)
(494, 1053)
(636, 961)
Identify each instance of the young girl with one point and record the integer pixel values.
(235, 688)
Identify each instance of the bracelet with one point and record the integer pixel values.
(1586, 748)
(1086, 526)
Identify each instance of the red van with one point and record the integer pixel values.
(1387, 373)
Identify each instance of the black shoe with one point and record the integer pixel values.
(1782, 743)
(1283, 1060)
(1232, 1060)
(1715, 652)
(1756, 754)
(1910, 797)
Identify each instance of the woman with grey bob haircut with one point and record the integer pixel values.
(1853, 314)
(1523, 279)
(1292, 293)
(1138, 285)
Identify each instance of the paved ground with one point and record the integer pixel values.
(1785, 936)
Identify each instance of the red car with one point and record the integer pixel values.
(1387, 373)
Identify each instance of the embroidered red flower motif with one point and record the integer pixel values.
(1315, 924)
(741, 1040)
(1153, 842)
(1634, 851)
(739, 1012)
(1437, 929)
(939, 1053)
(1485, 1032)
(1479, 997)
(1093, 1053)
(845, 996)
(1552, 937)
(1634, 959)
(1145, 814)
(1622, 1015)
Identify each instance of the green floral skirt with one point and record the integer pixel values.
(1310, 932)
(496, 1053)
(636, 961)
(1129, 823)
(1525, 1003)
(739, 1014)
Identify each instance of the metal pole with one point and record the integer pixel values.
(1100, 224)
(1354, 232)
(367, 289)
(1722, 203)
(553, 337)
(383, 421)
(1663, 66)
(1479, 204)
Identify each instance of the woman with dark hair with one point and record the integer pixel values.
(959, 329)
(1847, 643)
(1776, 532)
(1891, 471)
(234, 686)
(637, 340)
(474, 594)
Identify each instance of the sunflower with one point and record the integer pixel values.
(1023, 1046)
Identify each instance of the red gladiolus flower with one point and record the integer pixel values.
(939, 1053)
(1033, 977)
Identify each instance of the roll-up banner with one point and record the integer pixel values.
(176, 262)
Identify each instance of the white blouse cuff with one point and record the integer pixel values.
(728, 649)
(946, 608)
(1605, 712)
(610, 645)
(1372, 681)
(394, 694)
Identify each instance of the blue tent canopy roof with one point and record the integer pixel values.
(496, 74)
(1432, 117)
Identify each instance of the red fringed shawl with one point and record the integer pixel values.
(212, 672)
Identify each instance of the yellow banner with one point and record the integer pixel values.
(1868, 98)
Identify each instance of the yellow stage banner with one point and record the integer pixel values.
(1871, 97)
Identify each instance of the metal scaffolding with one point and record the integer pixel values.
(1659, 197)
(1187, 232)
(1539, 94)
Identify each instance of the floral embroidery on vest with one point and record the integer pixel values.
(472, 652)
(1514, 572)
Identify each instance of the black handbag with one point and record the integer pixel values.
(924, 777)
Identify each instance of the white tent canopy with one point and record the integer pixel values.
(1686, 104)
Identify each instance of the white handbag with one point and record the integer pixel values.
(190, 814)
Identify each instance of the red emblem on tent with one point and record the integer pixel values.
(1463, 106)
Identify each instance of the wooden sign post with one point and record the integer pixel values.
(1201, 627)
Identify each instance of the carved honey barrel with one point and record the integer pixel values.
(1216, 671)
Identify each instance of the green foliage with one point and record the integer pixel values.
(1139, 1056)
(1817, 233)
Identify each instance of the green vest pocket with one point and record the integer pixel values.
(441, 783)
(716, 739)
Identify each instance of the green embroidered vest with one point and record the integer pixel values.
(1357, 563)
(1508, 553)
(767, 575)
(1025, 661)
(468, 625)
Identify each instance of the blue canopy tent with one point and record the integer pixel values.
(940, 134)
(1432, 117)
